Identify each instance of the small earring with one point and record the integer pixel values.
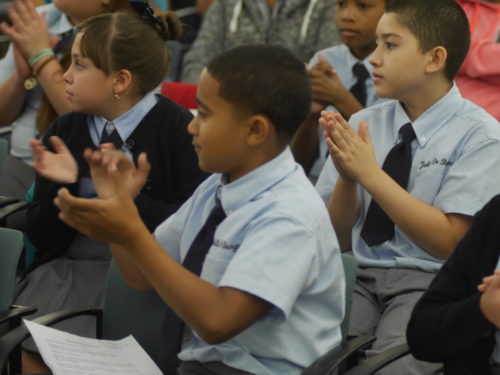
(116, 96)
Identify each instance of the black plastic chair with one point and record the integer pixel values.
(11, 245)
(126, 311)
(339, 359)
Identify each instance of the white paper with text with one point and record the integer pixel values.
(68, 354)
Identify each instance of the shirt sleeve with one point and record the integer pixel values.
(276, 260)
(472, 180)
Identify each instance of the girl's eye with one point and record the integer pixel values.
(77, 64)
(340, 4)
(201, 114)
(390, 45)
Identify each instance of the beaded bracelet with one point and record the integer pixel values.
(40, 55)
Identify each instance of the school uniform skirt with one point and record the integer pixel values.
(75, 280)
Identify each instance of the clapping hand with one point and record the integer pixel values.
(351, 151)
(29, 30)
(325, 83)
(107, 160)
(59, 166)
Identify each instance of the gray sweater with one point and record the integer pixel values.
(303, 26)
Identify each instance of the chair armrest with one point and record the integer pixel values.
(9, 209)
(15, 313)
(11, 341)
(4, 200)
(337, 357)
(379, 361)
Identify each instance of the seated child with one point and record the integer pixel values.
(479, 77)
(457, 320)
(31, 80)
(340, 77)
(268, 298)
(405, 191)
(117, 59)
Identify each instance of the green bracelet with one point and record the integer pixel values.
(40, 55)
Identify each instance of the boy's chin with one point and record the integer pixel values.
(384, 94)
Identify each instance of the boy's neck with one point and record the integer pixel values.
(362, 53)
(258, 158)
(421, 100)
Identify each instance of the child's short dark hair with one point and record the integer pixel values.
(436, 23)
(267, 80)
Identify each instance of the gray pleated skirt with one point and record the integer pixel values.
(75, 280)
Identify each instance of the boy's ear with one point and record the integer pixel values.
(259, 129)
(437, 59)
(123, 81)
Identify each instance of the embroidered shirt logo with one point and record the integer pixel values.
(435, 161)
(225, 245)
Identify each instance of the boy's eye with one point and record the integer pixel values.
(363, 6)
(201, 114)
(390, 45)
(340, 4)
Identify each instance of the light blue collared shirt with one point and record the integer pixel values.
(343, 61)
(276, 243)
(24, 127)
(125, 125)
(455, 168)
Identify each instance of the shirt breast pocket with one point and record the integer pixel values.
(216, 263)
(427, 184)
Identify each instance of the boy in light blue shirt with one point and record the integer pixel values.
(340, 78)
(270, 295)
(453, 169)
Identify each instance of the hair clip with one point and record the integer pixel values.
(145, 11)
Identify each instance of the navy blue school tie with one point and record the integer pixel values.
(359, 88)
(173, 326)
(110, 135)
(378, 227)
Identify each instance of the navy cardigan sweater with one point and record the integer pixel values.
(173, 177)
(447, 324)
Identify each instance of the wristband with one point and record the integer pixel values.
(37, 69)
(40, 55)
(31, 81)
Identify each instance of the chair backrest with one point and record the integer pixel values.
(350, 269)
(129, 311)
(11, 245)
(181, 93)
(4, 149)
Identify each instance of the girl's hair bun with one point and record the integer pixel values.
(170, 27)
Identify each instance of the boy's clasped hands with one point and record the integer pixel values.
(351, 152)
(116, 180)
(325, 84)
